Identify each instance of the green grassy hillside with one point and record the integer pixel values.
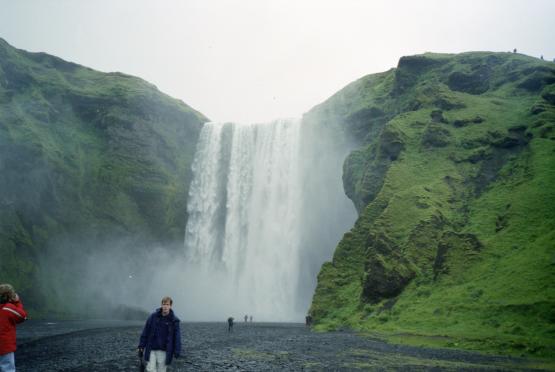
(454, 181)
(84, 151)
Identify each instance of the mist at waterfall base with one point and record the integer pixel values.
(266, 208)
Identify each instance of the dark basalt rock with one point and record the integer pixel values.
(419, 63)
(507, 142)
(15, 77)
(414, 105)
(501, 223)
(549, 97)
(386, 271)
(362, 179)
(435, 136)
(391, 144)
(546, 131)
(404, 80)
(446, 105)
(518, 128)
(453, 250)
(501, 147)
(94, 110)
(480, 155)
(537, 109)
(476, 82)
(366, 123)
(421, 245)
(458, 123)
(408, 70)
(437, 116)
(537, 78)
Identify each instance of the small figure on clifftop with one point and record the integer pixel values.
(514, 50)
(161, 337)
(11, 314)
(229, 324)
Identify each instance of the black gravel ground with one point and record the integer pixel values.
(250, 347)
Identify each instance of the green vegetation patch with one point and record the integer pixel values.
(455, 191)
(82, 150)
(368, 359)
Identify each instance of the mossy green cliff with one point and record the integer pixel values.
(454, 181)
(84, 151)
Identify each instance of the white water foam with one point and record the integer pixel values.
(248, 204)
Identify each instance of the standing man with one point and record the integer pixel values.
(11, 313)
(161, 338)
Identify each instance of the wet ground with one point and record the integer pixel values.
(250, 347)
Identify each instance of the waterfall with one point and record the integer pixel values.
(247, 205)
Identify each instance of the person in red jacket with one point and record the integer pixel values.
(11, 313)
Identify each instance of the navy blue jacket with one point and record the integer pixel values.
(173, 345)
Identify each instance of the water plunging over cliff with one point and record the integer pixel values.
(249, 221)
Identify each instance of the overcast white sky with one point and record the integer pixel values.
(257, 60)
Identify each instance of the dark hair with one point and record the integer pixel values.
(167, 299)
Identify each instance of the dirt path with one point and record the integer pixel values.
(250, 347)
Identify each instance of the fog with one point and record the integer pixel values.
(266, 208)
(252, 60)
(244, 61)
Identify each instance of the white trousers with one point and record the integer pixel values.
(157, 361)
(7, 362)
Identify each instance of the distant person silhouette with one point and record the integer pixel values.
(308, 320)
(246, 318)
(230, 324)
(251, 318)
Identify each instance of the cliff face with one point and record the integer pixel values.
(455, 187)
(81, 150)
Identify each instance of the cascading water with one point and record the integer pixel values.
(247, 207)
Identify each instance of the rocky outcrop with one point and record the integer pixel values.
(387, 272)
(364, 170)
(455, 252)
(435, 136)
(451, 181)
(476, 82)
